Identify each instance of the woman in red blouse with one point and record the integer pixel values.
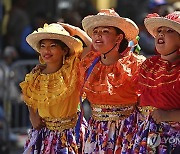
(159, 83)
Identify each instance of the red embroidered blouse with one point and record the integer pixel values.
(159, 83)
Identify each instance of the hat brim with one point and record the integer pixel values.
(126, 25)
(34, 38)
(152, 24)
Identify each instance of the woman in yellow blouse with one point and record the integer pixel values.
(51, 94)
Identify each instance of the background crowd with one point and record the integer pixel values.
(23, 16)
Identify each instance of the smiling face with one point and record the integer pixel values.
(104, 38)
(51, 51)
(167, 40)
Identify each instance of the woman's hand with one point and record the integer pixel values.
(35, 119)
(160, 115)
(70, 28)
(38, 67)
(76, 31)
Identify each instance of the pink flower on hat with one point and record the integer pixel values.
(175, 16)
(109, 12)
(152, 15)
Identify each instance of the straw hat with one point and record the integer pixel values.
(154, 21)
(108, 17)
(53, 31)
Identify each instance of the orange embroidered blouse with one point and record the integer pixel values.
(111, 84)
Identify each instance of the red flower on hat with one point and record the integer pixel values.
(151, 15)
(175, 16)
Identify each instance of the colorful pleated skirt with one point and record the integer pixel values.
(153, 138)
(110, 129)
(58, 137)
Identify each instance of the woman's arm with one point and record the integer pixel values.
(164, 116)
(76, 31)
(35, 119)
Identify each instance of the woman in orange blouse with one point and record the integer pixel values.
(110, 86)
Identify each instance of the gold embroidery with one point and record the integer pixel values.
(157, 85)
(111, 106)
(157, 77)
(160, 67)
(111, 112)
(145, 110)
(60, 124)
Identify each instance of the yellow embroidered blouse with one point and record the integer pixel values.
(54, 95)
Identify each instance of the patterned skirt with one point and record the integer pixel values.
(153, 138)
(110, 129)
(47, 141)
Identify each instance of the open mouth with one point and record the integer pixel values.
(160, 41)
(98, 41)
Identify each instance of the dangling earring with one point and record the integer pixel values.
(41, 60)
(64, 59)
(178, 52)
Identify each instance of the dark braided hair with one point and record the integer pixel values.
(124, 43)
